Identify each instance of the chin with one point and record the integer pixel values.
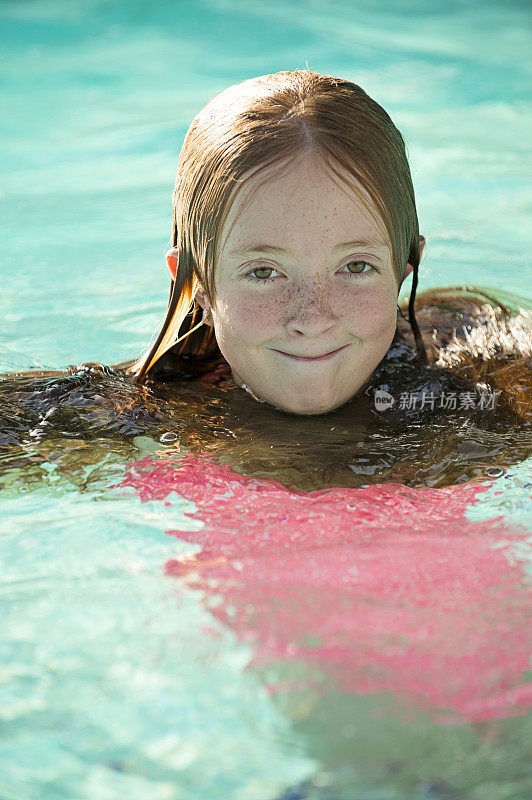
(307, 406)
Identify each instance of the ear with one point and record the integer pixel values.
(409, 267)
(203, 301)
(422, 243)
(172, 257)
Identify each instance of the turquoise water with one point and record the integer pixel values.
(99, 97)
(109, 684)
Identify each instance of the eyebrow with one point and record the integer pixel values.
(270, 249)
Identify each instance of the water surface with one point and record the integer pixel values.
(196, 617)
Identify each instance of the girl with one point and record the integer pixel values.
(294, 227)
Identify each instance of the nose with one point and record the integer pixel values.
(313, 314)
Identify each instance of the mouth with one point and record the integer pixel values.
(325, 357)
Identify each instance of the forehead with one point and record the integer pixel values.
(304, 200)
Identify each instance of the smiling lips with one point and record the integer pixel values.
(325, 357)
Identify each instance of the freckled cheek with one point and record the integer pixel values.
(370, 313)
(251, 315)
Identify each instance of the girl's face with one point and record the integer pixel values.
(305, 294)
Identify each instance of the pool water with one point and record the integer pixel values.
(199, 622)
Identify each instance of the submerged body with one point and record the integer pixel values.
(384, 626)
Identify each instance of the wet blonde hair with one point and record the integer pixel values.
(260, 124)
